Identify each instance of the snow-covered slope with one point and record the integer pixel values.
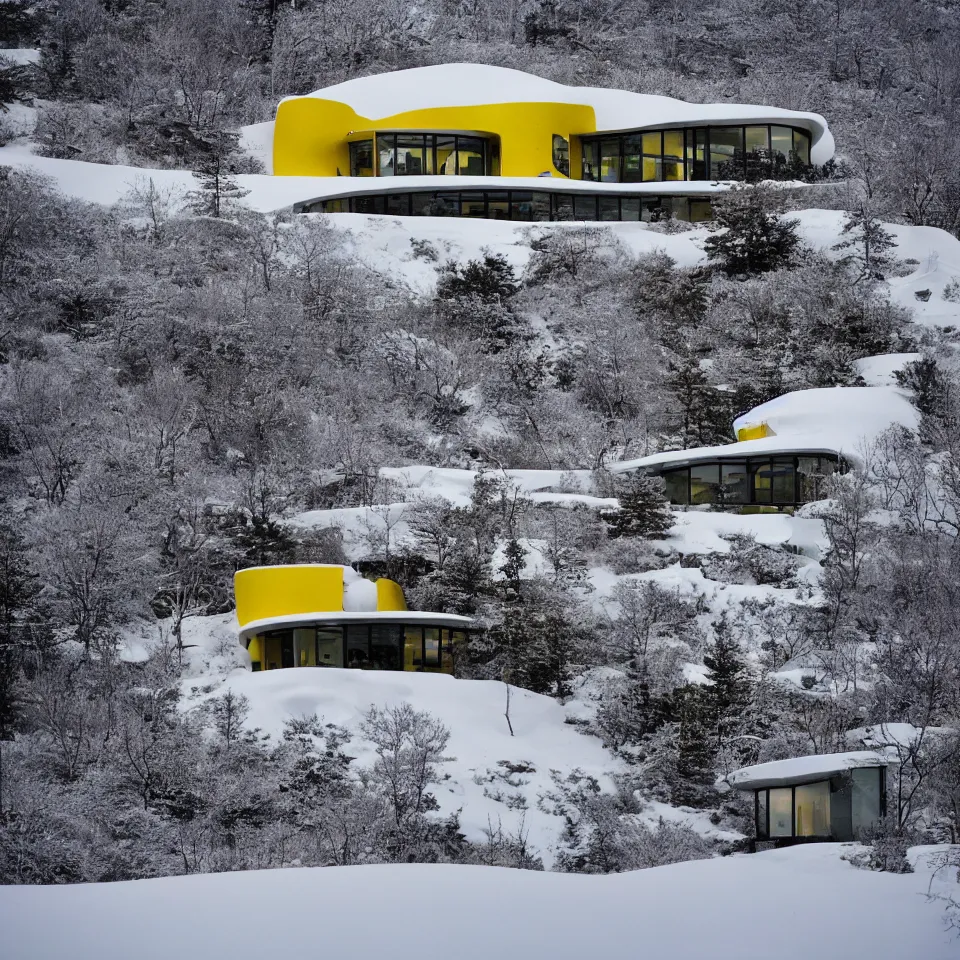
(480, 742)
(790, 905)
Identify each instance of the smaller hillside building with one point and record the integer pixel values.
(786, 451)
(833, 796)
(327, 615)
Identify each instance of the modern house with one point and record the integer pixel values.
(326, 615)
(469, 140)
(833, 796)
(786, 450)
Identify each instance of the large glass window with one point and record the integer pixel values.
(472, 205)
(398, 204)
(726, 153)
(413, 158)
(610, 161)
(629, 208)
(330, 646)
(756, 138)
(734, 483)
(762, 481)
(446, 155)
(677, 485)
(361, 159)
(761, 813)
(358, 645)
(633, 159)
(387, 155)
(305, 646)
(609, 208)
(673, 155)
(561, 154)
(584, 207)
(705, 483)
(812, 806)
(385, 646)
(413, 648)
(591, 160)
(431, 647)
(498, 206)
(562, 207)
(783, 481)
(470, 157)
(781, 812)
(801, 146)
(866, 798)
(781, 143)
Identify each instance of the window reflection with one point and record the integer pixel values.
(726, 153)
(867, 798)
(361, 159)
(705, 483)
(781, 812)
(561, 154)
(812, 806)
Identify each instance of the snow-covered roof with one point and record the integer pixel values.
(474, 84)
(781, 773)
(837, 420)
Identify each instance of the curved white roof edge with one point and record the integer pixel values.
(348, 616)
(476, 84)
(797, 770)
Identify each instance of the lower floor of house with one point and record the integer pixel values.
(522, 205)
(362, 646)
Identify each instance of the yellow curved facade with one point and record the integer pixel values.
(268, 593)
(311, 135)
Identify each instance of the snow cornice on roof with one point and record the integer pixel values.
(842, 421)
(783, 773)
(473, 84)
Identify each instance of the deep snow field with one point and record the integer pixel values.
(782, 905)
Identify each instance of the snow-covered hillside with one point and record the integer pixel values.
(492, 778)
(790, 904)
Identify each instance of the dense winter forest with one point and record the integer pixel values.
(178, 381)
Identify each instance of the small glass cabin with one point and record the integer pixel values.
(834, 796)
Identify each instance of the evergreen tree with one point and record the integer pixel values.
(12, 85)
(729, 690)
(19, 20)
(214, 171)
(695, 751)
(644, 510)
(868, 242)
(753, 238)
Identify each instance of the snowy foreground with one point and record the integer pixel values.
(787, 904)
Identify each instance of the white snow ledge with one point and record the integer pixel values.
(781, 773)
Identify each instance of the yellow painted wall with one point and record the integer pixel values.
(263, 593)
(754, 431)
(310, 134)
(390, 595)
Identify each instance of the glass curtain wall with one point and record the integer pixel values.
(697, 153)
(361, 646)
(777, 481)
(525, 205)
(425, 154)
